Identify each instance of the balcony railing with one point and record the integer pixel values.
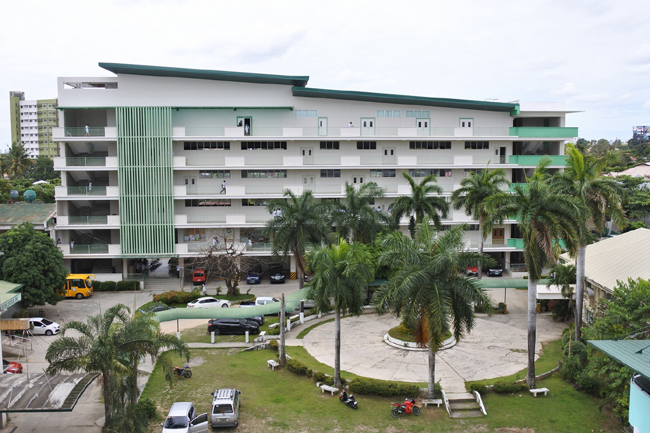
(86, 190)
(93, 131)
(533, 160)
(543, 132)
(89, 249)
(87, 220)
(97, 161)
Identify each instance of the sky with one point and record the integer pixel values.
(593, 55)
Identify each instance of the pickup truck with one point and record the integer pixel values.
(261, 300)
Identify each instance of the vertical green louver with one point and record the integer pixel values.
(146, 180)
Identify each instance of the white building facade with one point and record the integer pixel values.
(143, 156)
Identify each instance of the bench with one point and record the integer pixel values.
(260, 337)
(436, 401)
(539, 391)
(272, 364)
(273, 325)
(328, 388)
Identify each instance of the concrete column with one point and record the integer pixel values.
(302, 318)
(292, 264)
(212, 336)
(247, 336)
(125, 268)
(288, 324)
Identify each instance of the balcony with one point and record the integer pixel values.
(90, 249)
(79, 163)
(78, 133)
(62, 192)
(533, 160)
(543, 132)
(74, 220)
(515, 243)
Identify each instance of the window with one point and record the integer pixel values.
(466, 122)
(255, 202)
(417, 113)
(477, 145)
(207, 202)
(263, 145)
(382, 173)
(422, 172)
(330, 173)
(329, 145)
(388, 113)
(366, 145)
(214, 174)
(206, 145)
(430, 145)
(263, 174)
(305, 113)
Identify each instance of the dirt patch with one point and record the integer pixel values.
(196, 361)
(513, 430)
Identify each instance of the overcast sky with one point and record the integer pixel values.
(594, 55)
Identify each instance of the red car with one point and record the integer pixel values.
(11, 367)
(472, 271)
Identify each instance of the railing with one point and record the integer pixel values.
(204, 131)
(543, 131)
(90, 249)
(87, 220)
(518, 267)
(98, 161)
(86, 190)
(534, 159)
(260, 246)
(446, 400)
(265, 189)
(491, 131)
(212, 219)
(258, 218)
(517, 243)
(480, 402)
(93, 131)
(435, 159)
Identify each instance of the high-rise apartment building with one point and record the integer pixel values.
(32, 123)
(144, 155)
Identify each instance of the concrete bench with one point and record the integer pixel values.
(272, 364)
(436, 401)
(287, 356)
(539, 391)
(260, 337)
(273, 325)
(329, 389)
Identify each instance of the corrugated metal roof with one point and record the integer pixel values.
(627, 353)
(35, 213)
(9, 294)
(619, 258)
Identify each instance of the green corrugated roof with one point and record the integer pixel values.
(204, 74)
(403, 99)
(9, 294)
(35, 213)
(507, 283)
(626, 352)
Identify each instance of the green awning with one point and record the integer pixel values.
(506, 283)
(634, 354)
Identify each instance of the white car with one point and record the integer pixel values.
(182, 418)
(209, 302)
(41, 326)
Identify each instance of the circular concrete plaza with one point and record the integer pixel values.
(496, 346)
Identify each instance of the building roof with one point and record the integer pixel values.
(9, 294)
(204, 74)
(642, 170)
(34, 213)
(619, 258)
(627, 353)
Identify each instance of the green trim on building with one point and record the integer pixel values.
(515, 243)
(204, 74)
(14, 114)
(543, 132)
(403, 99)
(532, 160)
(146, 181)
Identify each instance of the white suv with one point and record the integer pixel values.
(182, 418)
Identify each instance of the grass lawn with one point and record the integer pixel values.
(280, 401)
(200, 334)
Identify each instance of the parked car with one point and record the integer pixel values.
(43, 326)
(9, 367)
(225, 408)
(308, 278)
(208, 302)
(233, 326)
(182, 418)
(472, 271)
(257, 319)
(307, 303)
(277, 275)
(495, 271)
(253, 278)
(199, 276)
(260, 300)
(155, 308)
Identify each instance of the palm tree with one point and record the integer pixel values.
(5, 163)
(474, 191)
(96, 350)
(301, 222)
(428, 289)
(341, 276)
(18, 160)
(421, 203)
(545, 217)
(600, 196)
(354, 216)
(564, 276)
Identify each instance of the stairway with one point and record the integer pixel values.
(464, 405)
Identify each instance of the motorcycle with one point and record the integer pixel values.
(348, 399)
(407, 407)
(180, 372)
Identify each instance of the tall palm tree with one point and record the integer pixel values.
(421, 203)
(474, 191)
(428, 289)
(301, 222)
(545, 217)
(95, 350)
(5, 163)
(600, 196)
(18, 160)
(354, 216)
(341, 276)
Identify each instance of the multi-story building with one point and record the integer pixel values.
(32, 123)
(143, 156)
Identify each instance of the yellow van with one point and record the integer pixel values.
(78, 286)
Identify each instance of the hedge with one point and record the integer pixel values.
(177, 297)
(112, 286)
(503, 387)
(363, 385)
(298, 367)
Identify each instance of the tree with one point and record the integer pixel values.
(421, 203)
(545, 217)
(95, 350)
(5, 163)
(428, 289)
(599, 196)
(474, 191)
(302, 222)
(42, 169)
(564, 277)
(355, 218)
(636, 196)
(341, 276)
(31, 258)
(18, 160)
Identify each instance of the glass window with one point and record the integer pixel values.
(409, 113)
(329, 145)
(330, 173)
(313, 113)
(380, 113)
(297, 113)
(396, 113)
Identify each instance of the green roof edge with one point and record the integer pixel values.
(405, 99)
(204, 74)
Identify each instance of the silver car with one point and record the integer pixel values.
(182, 418)
(225, 408)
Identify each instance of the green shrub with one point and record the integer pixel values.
(177, 297)
(273, 344)
(20, 314)
(274, 331)
(478, 387)
(577, 349)
(503, 387)
(588, 383)
(362, 385)
(147, 407)
(319, 377)
(310, 372)
(127, 285)
(313, 312)
(297, 367)
(571, 368)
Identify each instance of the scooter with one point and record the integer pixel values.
(180, 372)
(407, 407)
(348, 399)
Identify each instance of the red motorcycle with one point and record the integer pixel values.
(407, 407)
